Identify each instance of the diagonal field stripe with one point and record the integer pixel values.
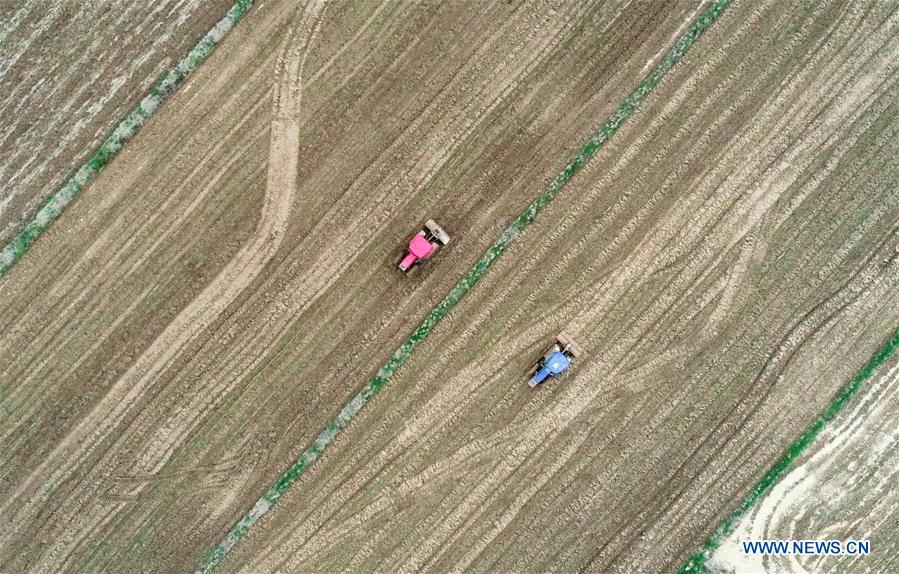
(697, 562)
(123, 132)
(625, 109)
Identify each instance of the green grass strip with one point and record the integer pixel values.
(123, 132)
(469, 280)
(698, 561)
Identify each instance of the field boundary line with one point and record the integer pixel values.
(123, 132)
(371, 388)
(697, 562)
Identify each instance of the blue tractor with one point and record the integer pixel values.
(556, 361)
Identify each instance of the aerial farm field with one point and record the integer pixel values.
(725, 252)
(845, 487)
(68, 72)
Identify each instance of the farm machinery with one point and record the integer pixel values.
(555, 361)
(424, 244)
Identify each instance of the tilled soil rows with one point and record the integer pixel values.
(69, 71)
(226, 285)
(843, 486)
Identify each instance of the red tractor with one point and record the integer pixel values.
(423, 244)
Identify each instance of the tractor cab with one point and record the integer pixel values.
(555, 361)
(423, 244)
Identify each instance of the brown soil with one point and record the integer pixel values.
(69, 71)
(194, 320)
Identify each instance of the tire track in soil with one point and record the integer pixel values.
(122, 133)
(128, 258)
(698, 562)
(411, 430)
(373, 385)
(215, 298)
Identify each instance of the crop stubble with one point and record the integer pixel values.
(455, 94)
(736, 252)
(68, 73)
(725, 254)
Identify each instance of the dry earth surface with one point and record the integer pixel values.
(845, 488)
(69, 71)
(221, 290)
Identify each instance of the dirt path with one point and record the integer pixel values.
(119, 402)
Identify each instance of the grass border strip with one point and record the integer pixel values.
(697, 562)
(123, 132)
(625, 110)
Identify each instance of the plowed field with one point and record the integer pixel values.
(727, 260)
